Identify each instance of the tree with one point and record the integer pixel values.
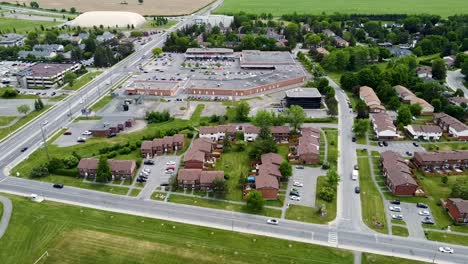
(137, 34)
(38, 172)
(140, 2)
(219, 186)
(437, 105)
(255, 201)
(263, 118)
(296, 117)
(157, 51)
(333, 178)
(73, 10)
(464, 69)
(285, 169)
(360, 127)
(9, 92)
(348, 80)
(332, 106)
(415, 109)
(326, 193)
(103, 173)
(70, 78)
(444, 179)
(242, 110)
(34, 4)
(361, 109)
(439, 70)
(404, 115)
(226, 144)
(23, 109)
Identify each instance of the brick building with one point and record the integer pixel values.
(397, 173)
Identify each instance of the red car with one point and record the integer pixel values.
(67, 133)
(170, 168)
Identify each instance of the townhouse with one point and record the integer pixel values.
(452, 126)
(371, 99)
(425, 132)
(397, 173)
(250, 133)
(457, 209)
(120, 169)
(199, 154)
(280, 133)
(383, 127)
(441, 161)
(267, 180)
(307, 150)
(198, 178)
(408, 97)
(217, 133)
(160, 146)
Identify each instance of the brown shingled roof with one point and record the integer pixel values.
(88, 164)
(460, 204)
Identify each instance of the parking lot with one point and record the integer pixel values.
(410, 217)
(76, 129)
(308, 177)
(157, 174)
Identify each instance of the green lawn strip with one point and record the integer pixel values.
(372, 204)
(101, 103)
(6, 120)
(83, 80)
(149, 25)
(73, 235)
(22, 25)
(23, 120)
(276, 203)
(400, 231)
(368, 258)
(57, 98)
(310, 214)
(283, 150)
(196, 201)
(445, 146)
(332, 120)
(447, 238)
(196, 115)
(322, 148)
(80, 118)
(352, 98)
(157, 196)
(361, 140)
(135, 192)
(332, 140)
(399, 222)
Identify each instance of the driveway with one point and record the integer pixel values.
(157, 175)
(398, 146)
(410, 217)
(307, 176)
(455, 81)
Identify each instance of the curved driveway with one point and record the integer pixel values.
(7, 208)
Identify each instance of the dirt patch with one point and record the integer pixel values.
(149, 7)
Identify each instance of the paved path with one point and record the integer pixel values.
(357, 257)
(7, 208)
(325, 145)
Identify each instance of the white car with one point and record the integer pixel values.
(86, 133)
(169, 171)
(446, 250)
(395, 208)
(397, 216)
(424, 213)
(295, 198)
(273, 222)
(249, 139)
(298, 184)
(170, 163)
(146, 170)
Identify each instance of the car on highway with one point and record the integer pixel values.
(86, 133)
(446, 250)
(395, 201)
(424, 213)
(272, 221)
(415, 144)
(300, 167)
(148, 162)
(24, 149)
(67, 133)
(169, 163)
(357, 190)
(298, 184)
(395, 208)
(422, 205)
(58, 185)
(295, 198)
(397, 216)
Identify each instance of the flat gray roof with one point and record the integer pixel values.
(256, 57)
(209, 50)
(303, 92)
(153, 85)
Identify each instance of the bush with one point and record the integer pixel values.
(39, 172)
(327, 194)
(158, 117)
(325, 165)
(67, 172)
(70, 162)
(9, 93)
(111, 155)
(190, 134)
(125, 150)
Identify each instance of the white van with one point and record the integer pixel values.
(354, 175)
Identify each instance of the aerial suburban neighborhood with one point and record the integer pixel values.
(233, 131)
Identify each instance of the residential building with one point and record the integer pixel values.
(457, 209)
(459, 100)
(307, 150)
(424, 72)
(267, 180)
(106, 36)
(45, 75)
(11, 40)
(250, 133)
(397, 173)
(441, 161)
(307, 98)
(454, 127)
(339, 41)
(280, 133)
(109, 127)
(408, 97)
(425, 132)
(383, 126)
(371, 99)
(449, 61)
(46, 51)
(120, 169)
(199, 154)
(159, 146)
(217, 133)
(220, 21)
(198, 178)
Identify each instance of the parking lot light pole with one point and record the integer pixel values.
(44, 140)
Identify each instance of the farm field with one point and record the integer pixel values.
(22, 25)
(72, 234)
(279, 7)
(149, 7)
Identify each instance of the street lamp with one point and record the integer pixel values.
(44, 138)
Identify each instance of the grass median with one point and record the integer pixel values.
(82, 80)
(447, 238)
(332, 140)
(22, 121)
(368, 258)
(400, 231)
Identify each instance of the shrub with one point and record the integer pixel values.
(9, 93)
(111, 155)
(125, 150)
(327, 194)
(67, 172)
(39, 172)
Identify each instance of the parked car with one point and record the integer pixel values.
(409, 153)
(148, 162)
(424, 213)
(169, 163)
(298, 184)
(427, 220)
(81, 139)
(86, 133)
(385, 143)
(356, 167)
(380, 144)
(24, 149)
(415, 144)
(169, 172)
(300, 167)
(397, 216)
(294, 193)
(58, 185)
(67, 133)
(148, 170)
(272, 221)
(295, 198)
(141, 180)
(164, 184)
(353, 139)
(249, 139)
(446, 250)
(111, 135)
(395, 201)
(357, 190)
(395, 208)
(422, 205)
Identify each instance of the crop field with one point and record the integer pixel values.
(278, 7)
(149, 7)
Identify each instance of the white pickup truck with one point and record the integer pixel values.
(354, 175)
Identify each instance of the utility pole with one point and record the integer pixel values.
(44, 140)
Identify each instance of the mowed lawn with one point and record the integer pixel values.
(22, 25)
(73, 234)
(280, 7)
(83, 80)
(368, 258)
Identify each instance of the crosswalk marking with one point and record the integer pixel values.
(332, 237)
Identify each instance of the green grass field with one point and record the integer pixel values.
(83, 80)
(6, 120)
(23, 26)
(368, 258)
(279, 7)
(400, 231)
(448, 238)
(23, 120)
(101, 103)
(148, 25)
(332, 140)
(73, 234)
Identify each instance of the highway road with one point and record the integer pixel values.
(346, 232)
